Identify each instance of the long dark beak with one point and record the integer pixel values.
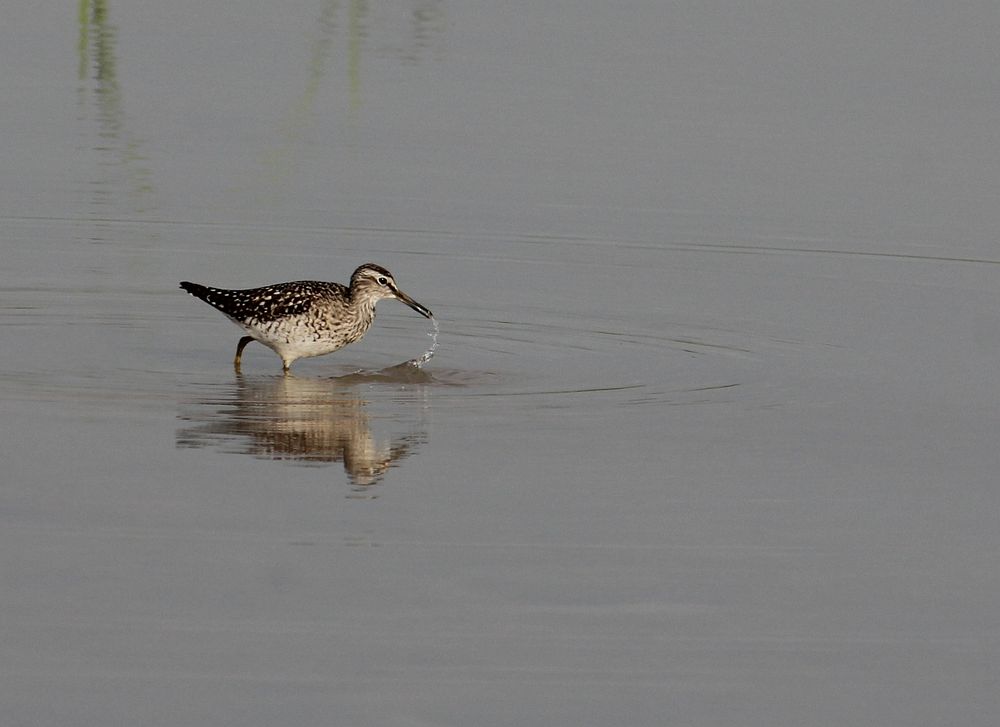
(425, 312)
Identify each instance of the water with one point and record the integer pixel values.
(706, 434)
(429, 353)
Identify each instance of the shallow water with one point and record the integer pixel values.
(707, 435)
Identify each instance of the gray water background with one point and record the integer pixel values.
(711, 434)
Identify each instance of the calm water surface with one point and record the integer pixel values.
(710, 434)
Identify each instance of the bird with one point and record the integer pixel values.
(305, 318)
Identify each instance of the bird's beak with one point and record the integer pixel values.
(413, 304)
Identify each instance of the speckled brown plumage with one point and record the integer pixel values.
(307, 317)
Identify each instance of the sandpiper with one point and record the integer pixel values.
(308, 317)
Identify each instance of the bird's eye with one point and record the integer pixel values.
(382, 281)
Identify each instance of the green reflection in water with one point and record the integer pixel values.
(122, 170)
(83, 40)
(301, 112)
(427, 20)
(281, 162)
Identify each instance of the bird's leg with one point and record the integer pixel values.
(239, 350)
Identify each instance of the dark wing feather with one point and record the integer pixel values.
(268, 303)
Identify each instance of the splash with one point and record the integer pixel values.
(429, 353)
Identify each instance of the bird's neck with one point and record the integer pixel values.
(364, 305)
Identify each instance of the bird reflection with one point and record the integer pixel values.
(304, 421)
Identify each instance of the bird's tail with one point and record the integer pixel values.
(198, 291)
